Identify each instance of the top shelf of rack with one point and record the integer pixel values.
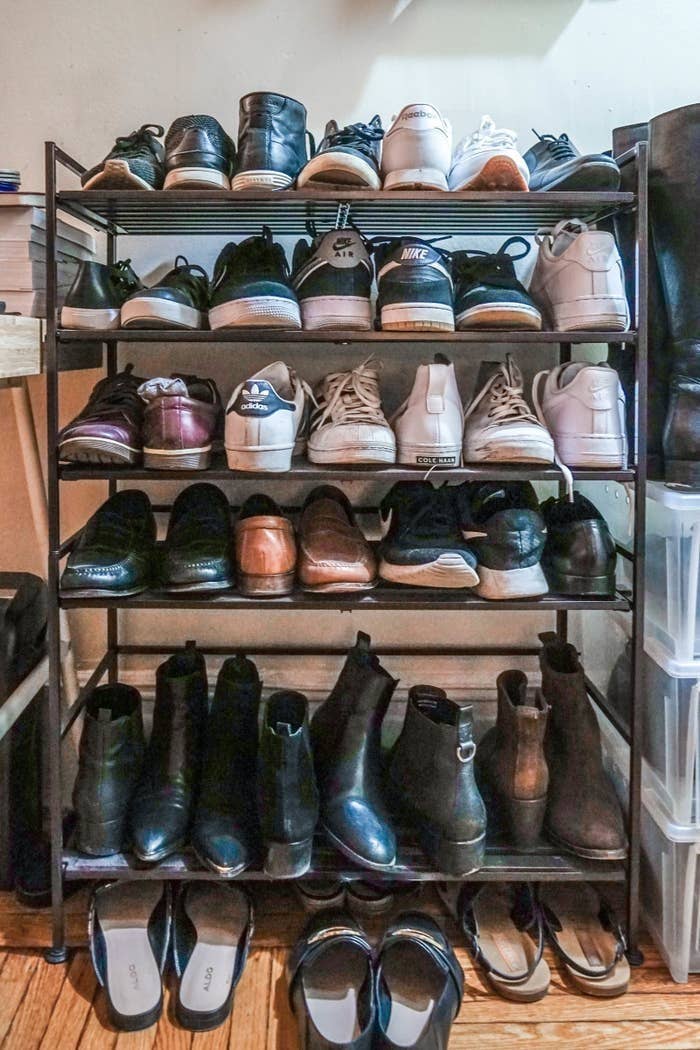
(375, 212)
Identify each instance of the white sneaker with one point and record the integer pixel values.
(583, 407)
(488, 160)
(266, 420)
(499, 425)
(417, 150)
(578, 278)
(429, 424)
(348, 424)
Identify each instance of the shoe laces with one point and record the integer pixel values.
(123, 276)
(349, 397)
(139, 140)
(505, 394)
(259, 253)
(353, 134)
(434, 516)
(472, 262)
(560, 147)
(487, 134)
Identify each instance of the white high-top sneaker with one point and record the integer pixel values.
(488, 160)
(429, 424)
(579, 280)
(348, 424)
(266, 420)
(417, 150)
(583, 407)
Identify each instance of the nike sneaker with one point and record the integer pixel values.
(488, 160)
(266, 420)
(429, 424)
(487, 292)
(583, 407)
(348, 424)
(555, 164)
(503, 525)
(414, 286)
(417, 150)
(179, 300)
(346, 156)
(332, 277)
(95, 298)
(199, 155)
(252, 287)
(135, 162)
(499, 425)
(423, 545)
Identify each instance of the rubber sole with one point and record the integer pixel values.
(261, 179)
(416, 179)
(261, 586)
(177, 459)
(97, 450)
(345, 312)
(498, 173)
(582, 851)
(338, 587)
(592, 450)
(528, 582)
(103, 592)
(150, 312)
(594, 175)
(591, 312)
(193, 178)
(116, 175)
(106, 319)
(429, 455)
(497, 450)
(339, 169)
(449, 570)
(514, 316)
(375, 453)
(263, 311)
(418, 317)
(199, 587)
(263, 460)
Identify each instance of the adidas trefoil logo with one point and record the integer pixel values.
(255, 392)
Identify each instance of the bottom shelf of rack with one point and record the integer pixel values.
(542, 864)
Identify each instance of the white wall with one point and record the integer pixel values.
(84, 73)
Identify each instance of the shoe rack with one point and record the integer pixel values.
(240, 214)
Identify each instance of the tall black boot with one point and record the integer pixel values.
(346, 738)
(162, 807)
(225, 833)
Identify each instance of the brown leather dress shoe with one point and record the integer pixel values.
(333, 553)
(266, 551)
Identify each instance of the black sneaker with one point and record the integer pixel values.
(199, 155)
(487, 292)
(332, 277)
(271, 142)
(503, 524)
(347, 156)
(252, 287)
(579, 555)
(556, 164)
(414, 286)
(178, 300)
(135, 162)
(95, 298)
(422, 544)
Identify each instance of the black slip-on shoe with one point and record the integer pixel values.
(198, 551)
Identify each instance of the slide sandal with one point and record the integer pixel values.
(212, 927)
(129, 930)
(330, 977)
(504, 936)
(583, 931)
(419, 985)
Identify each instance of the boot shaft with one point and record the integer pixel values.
(179, 718)
(573, 730)
(271, 133)
(287, 794)
(520, 733)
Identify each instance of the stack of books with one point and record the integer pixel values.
(23, 253)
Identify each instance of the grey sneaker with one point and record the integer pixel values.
(499, 425)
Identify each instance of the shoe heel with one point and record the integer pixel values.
(260, 586)
(274, 461)
(100, 839)
(561, 584)
(454, 858)
(157, 459)
(288, 860)
(524, 819)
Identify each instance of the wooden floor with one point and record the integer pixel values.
(61, 1007)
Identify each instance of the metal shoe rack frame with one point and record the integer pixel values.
(240, 214)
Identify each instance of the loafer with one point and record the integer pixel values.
(114, 553)
(330, 975)
(198, 550)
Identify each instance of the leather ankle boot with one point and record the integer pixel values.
(583, 813)
(161, 810)
(510, 766)
(346, 739)
(271, 141)
(225, 832)
(431, 775)
(112, 747)
(287, 794)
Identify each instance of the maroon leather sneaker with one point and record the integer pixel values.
(182, 419)
(108, 429)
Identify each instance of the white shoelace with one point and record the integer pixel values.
(350, 397)
(505, 391)
(487, 136)
(568, 476)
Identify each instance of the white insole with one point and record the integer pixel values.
(332, 988)
(132, 976)
(219, 915)
(413, 984)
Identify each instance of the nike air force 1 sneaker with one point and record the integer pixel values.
(417, 150)
(555, 164)
(499, 425)
(199, 155)
(266, 420)
(583, 407)
(414, 286)
(487, 292)
(348, 424)
(429, 424)
(252, 287)
(579, 279)
(346, 156)
(332, 277)
(489, 160)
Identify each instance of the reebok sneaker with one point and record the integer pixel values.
(417, 150)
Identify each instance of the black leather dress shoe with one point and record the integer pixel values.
(330, 975)
(419, 985)
(579, 552)
(161, 809)
(198, 552)
(225, 833)
(113, 555)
